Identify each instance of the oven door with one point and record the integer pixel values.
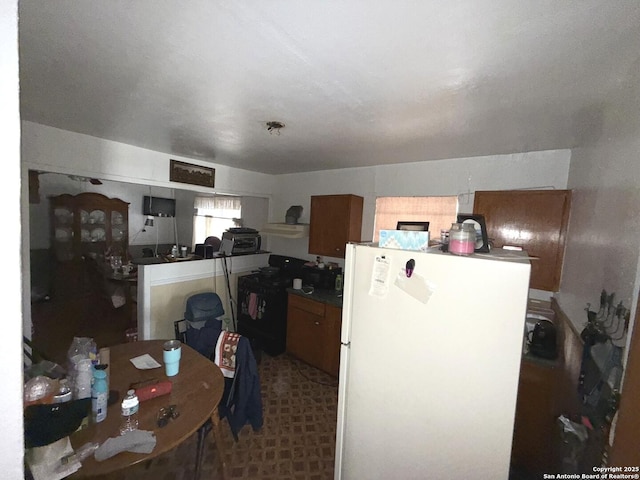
(262, 315)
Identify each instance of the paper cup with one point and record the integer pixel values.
(172, 351)
(297, 283)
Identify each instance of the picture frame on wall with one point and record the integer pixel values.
(478, 222)
(192, 174)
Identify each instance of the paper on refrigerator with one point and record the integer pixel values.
(380, 276)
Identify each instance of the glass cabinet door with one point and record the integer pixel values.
(63, 233)
(88, 225)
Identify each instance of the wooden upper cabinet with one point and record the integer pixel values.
(535, 220)
(335, 221)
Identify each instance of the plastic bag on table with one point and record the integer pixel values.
(45, 368)
(82, 348)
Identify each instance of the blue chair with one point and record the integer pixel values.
(201, 326)
(241, 401)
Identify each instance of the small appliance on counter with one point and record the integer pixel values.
(320, 278)
(542, 341)
(203, 250)
(240, 240)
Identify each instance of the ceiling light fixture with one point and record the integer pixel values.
(274, 127)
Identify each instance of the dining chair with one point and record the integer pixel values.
(241, 401)
(197, 329)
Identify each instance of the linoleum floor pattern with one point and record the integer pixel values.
(297, 440)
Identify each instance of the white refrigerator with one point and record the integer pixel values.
(429, 363)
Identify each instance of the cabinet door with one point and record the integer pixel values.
(535, 429)
(335, 221)
(62, 231)
(88, 224)
(306, 330)
(118, 231)
(94, 229)
(333, 318)
(535, 220)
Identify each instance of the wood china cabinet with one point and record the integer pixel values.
(335, 220)
(88, 224)
(313, 333)
(85, 228)
(535, 220)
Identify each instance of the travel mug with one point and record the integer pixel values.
(171, 353)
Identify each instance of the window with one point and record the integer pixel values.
(213, 215)
(440, 212)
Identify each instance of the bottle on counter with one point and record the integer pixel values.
(130, 405)
(444, 236)
(174, 251)
(99, 396)
(339, 282)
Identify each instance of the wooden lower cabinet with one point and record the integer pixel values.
(535, 432)
(333, 318)
(313, 333)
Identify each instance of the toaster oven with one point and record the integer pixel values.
(233, 242)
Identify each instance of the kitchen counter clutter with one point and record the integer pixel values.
(540, 342)
(330, 297)
(313, 328)
(535, 435)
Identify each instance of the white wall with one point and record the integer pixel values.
(53, 150)
(461, 176)
(55, 184)
(164, 231)
(11, 440)
(603, 239)
(49, 149)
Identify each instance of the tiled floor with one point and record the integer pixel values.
(297, 440)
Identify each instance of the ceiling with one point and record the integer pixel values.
(355, 83)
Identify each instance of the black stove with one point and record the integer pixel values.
(262, 303)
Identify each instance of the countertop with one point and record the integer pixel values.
(543, 362)
(334, 298)
(330, 297)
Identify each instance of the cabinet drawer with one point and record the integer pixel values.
(311, 306)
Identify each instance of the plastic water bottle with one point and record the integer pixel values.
(130, 406)
(99, 396)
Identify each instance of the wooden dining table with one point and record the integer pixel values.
(196, 392)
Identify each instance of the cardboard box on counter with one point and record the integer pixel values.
(404, 240)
